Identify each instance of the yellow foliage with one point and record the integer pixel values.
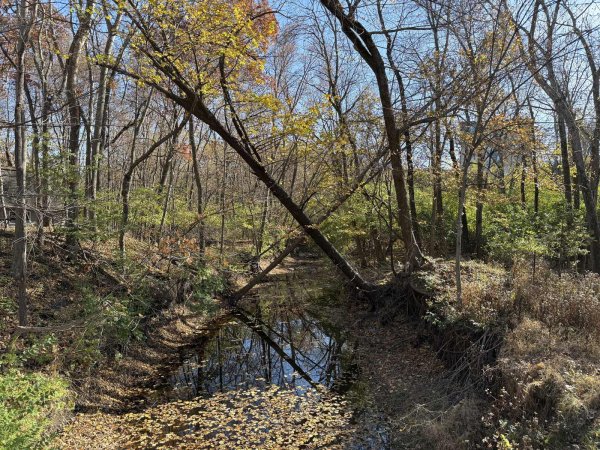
(186, 41)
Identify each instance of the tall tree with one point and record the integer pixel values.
(26, 15)
(544, 46)
(83, 12)
(369, 52)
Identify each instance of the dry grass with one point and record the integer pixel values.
(552, 387)
(549, 365)
(569, 301)
(457, 427)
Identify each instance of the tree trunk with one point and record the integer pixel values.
(74, 116)
(587, 192)
(126, 186)
(564, 156)
(536, 184)
(462, 193)
(479, 206)
(463, 216)
(523, 179)
(368, 50)
(437, 207)
(576, 196)
(501, 174)
(199, 189)
(100, 117)
(20, 242)
(201, 112)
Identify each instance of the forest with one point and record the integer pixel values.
(299, 224)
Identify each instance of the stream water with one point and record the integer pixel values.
(280, 336)
(249, 351)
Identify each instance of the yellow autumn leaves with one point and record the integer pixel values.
(186, 40)
(249, 419)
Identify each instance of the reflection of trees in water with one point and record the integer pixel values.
(291, 350)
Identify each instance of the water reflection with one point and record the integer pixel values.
(293, 351)
(279, 339)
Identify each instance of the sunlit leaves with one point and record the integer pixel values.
(186, 40)
(253, 418)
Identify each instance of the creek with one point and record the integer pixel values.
(286, 335)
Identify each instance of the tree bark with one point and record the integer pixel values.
(74, 115)
(26, 15)
(100, 117)
(369, 52)
(199, 189)
(523, 179)
(479, 205)
(462, 193)
(564, 156)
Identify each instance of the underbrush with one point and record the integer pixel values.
(545, 383)
(566, 303)
(550, 396)
(97, 310)
(32, 408)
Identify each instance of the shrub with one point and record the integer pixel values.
(207, 284)
(569, 301)
(515, 233)
(32, 406)
(117, 318)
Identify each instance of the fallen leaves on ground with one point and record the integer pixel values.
(248, 419)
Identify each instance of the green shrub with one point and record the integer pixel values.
(39, 351)
(557, 233)
(31, 407)
(207, 283)
(116, 318)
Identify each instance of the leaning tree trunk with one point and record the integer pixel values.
(244, 148)
(199, 110)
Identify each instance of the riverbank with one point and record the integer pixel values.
(302, 364)
(385, 389)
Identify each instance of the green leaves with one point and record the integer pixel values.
(29, 405)
(557, 233)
